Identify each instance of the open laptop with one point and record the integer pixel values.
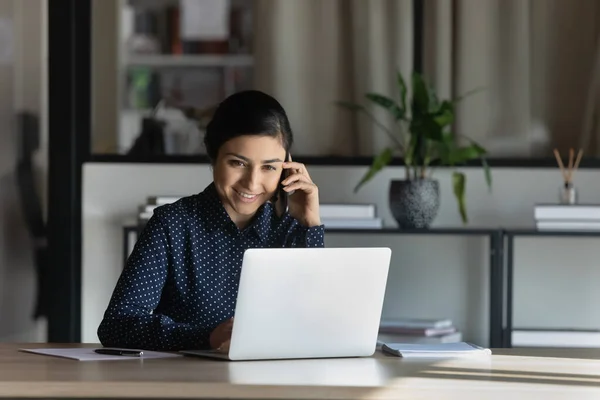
(307, 303)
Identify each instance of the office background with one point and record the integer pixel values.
(432, 276)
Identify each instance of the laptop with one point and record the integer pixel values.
(295, 303)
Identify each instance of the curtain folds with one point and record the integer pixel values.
(531, 60)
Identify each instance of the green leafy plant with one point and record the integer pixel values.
(422, 135)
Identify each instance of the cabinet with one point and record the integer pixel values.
(161, 57)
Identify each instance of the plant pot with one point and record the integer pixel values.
(414, 203)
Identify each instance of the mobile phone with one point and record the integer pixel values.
(282, 194)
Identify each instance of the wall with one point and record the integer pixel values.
(23, 83)
(431, 275)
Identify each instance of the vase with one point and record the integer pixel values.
(414, 203)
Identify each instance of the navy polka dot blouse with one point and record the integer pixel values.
(182, 276)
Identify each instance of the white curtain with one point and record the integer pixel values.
(591, 130)
(484, 46)
(310, 53)
(532, 59)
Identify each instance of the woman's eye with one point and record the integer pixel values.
(236, 163)
(270, 168)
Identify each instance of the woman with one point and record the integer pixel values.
(179, 286)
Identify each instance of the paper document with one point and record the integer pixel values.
(88, 354)
(458, 349)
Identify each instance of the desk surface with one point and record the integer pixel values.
(509, 373)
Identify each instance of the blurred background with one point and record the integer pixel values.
(533, 62)
(157, 68)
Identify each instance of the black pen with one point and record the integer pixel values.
(119, 352)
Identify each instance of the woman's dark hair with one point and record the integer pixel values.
(249, 112)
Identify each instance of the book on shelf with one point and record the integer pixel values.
(352, 223)
(349, 216)
(145, 211)
(567, 217)
(161, 200)
(567, 212)
(567, 225)
(555, 337)
(347, 210)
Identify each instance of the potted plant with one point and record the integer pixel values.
(424, 138)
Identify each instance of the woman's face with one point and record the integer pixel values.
(246, 174)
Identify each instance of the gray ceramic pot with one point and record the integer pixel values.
(414, 203)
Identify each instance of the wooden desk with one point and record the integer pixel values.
(509, 374)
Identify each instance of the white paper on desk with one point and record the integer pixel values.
(88, 354)
(204, 19)
(457, 349)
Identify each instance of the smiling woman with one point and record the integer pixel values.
(179, 286)
(247, 142)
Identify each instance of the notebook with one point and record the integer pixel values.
(435, 350)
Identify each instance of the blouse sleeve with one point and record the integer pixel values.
(301, 236)
(130, 321)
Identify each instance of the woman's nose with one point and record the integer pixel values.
(252, 180)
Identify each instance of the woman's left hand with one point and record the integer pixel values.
(303, 202)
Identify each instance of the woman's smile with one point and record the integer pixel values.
(247, 197)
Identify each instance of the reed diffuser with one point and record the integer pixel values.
(568, 192)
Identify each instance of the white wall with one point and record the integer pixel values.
(23, 84)
(431, 275)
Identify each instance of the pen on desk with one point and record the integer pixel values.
(119, 352)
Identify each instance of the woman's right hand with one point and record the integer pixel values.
(221, 334)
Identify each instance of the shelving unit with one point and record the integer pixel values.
(140, 57)
(501, 242)
(496, 263)
(186, 60)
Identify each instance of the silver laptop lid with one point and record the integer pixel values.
(309, 303)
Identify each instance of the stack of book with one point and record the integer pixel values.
(561, 337)
(146, 210)
(350, 216)
(424, 331)
(567, 217)
(333, 215)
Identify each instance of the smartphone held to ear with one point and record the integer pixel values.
(281, 195)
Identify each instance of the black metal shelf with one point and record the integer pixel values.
(501, 243)
(535, 232)
(430, 231)
(496, 262)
